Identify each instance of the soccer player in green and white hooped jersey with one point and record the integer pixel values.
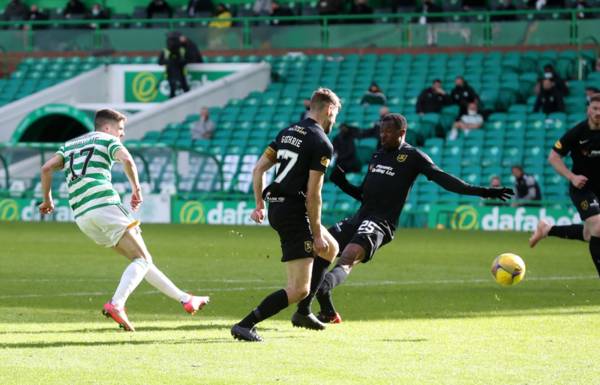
(87, 161)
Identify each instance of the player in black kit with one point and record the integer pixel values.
(302, 153)
(582, 142)
(392, 172)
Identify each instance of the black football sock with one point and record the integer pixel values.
(334, 278)
(567, 232)
(319, 270)
(595, 252)
(271, 305)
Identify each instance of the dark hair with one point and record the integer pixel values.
(436, 81)
(595, 98)
(398, 121)
(518, 167)
(106, 116)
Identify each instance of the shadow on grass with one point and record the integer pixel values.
(60, 344)
(141, 329)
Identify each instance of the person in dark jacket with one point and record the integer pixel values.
(462, 94)
(173, 57)
(549, 99)
(158, 6)
(196, 7)
(192, 52)
(433, 99)
(527, 188)
(361, 7)
(74, 9)
(278, 10)
(35, 14)
(345, 149)
(15, 10)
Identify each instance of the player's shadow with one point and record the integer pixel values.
(60, 344)
(404, 340)
(141, 329)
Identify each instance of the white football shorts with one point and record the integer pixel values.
(106, 225)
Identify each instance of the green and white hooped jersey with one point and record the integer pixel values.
(88, 160)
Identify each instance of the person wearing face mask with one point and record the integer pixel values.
(551, 74)
(471, 120)
(549, 99)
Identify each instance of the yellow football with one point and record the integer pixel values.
(508, 269)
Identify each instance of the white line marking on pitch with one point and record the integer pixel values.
(272, 287)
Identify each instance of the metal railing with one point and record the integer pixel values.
(137, 150)
(484, 20)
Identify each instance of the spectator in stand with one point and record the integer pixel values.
(192, 53)
(549, 99)
(506, 6)
(540, 4)
(373, 132)
(527, 188)
(173, 57)
(345, 149)
(428, 7)
(158, 6)
(463, 94)
(35, 14)
(471, 5)
(262, 7)
(581, 5)
(204, 127)
(15, 10)
(361, 7)
(560, 84)
(433, 99)
(471, 120)
(222, 17)
(330, 7)
(589, 92)
(199, 8)
(495, 181)
(98, 13)
(278, 10)
(374, 95)
(304, 114)
(75, 9)
(403, 5)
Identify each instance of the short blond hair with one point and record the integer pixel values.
(106, 116)
(322, 97)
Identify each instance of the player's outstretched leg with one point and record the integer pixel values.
(334, 278)
(159, 280)
(353, 253)
(544, 229)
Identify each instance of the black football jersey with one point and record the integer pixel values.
(390, 176)
(302, 147)
(583, 144)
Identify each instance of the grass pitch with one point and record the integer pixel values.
(424, 311)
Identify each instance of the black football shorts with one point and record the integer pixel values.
(586, 202)
(290, 220)
(370, 233)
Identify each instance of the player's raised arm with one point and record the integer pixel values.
(122, 155)
(314, 203)
(264, 163)
(338, 177)
(457, 185)
(53, 164)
